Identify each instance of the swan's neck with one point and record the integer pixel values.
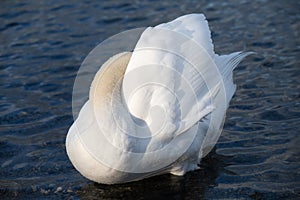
(110, 110)
(108, 80)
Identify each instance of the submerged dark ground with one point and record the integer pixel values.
(42, 45)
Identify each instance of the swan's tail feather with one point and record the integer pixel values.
(226, 65)
(233, 61)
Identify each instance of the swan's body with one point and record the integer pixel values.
(157, 110)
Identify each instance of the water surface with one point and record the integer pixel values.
(42, 45)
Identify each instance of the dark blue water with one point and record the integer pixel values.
(42, 45)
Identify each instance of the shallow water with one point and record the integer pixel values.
(42, 45)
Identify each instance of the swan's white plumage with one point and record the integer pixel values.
(147, 109)
(172, 58)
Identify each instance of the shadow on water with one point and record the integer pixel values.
(162, 187)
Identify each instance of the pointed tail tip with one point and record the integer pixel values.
(247, 53)
(238, 57)
(244, 54)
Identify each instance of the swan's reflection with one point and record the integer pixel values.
(193, 185)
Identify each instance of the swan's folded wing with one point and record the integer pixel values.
(193, 26)
(171, 76)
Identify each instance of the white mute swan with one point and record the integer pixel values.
(158, 109)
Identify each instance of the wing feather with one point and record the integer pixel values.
(172, 69)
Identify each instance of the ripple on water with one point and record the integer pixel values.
(43, 44)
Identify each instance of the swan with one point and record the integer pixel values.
(158, 109)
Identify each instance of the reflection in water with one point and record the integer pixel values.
(164, 186)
